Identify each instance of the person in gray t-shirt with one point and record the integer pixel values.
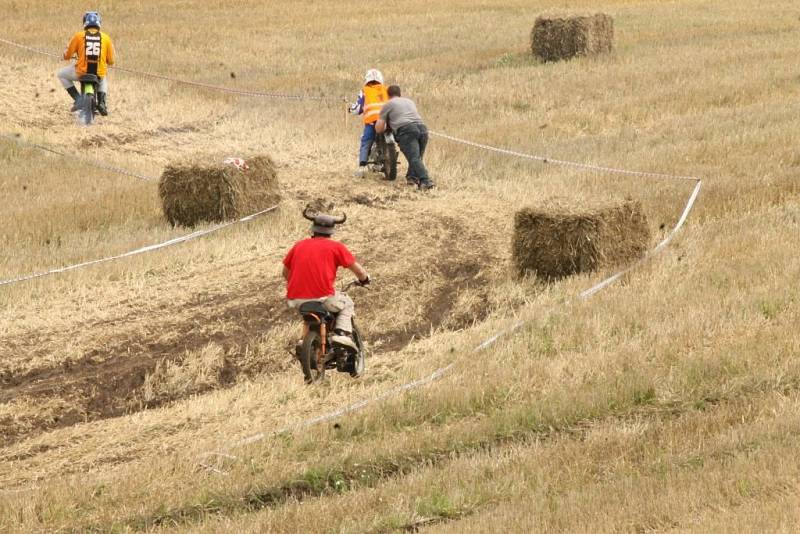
(401, 115)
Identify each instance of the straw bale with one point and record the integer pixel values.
(560, 238)
(555, 38)
(193, 192)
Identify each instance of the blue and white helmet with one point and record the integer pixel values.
(373, 75)
(91, 19)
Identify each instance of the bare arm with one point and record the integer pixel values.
(359, 271)
(380, 126)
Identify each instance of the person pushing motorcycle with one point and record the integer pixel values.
(310, 269)
(94, 52)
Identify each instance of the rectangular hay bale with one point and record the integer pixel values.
(559, 239)
(192, 193)
(556, 38)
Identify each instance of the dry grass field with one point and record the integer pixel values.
(667, 402)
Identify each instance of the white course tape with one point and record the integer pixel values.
(658, 248)
(211, 87)
(92, 162)
(564, 163)
(149, 248)
(439, 373)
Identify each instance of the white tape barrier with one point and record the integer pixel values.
(485, 344)
(658, 248)
(439, 373)
(211, 87)
(149, 248)
(93, 162)
(356, 406)
(561, 162)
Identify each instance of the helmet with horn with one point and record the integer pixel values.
(321, 223)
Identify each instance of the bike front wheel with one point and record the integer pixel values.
(309, 355)
(360, 359)
(390, 161)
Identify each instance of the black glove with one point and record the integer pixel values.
(365, 282)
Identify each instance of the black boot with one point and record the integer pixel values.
(75, 97)
(101, 104)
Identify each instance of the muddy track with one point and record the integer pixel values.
(439, 311)
(107, 379)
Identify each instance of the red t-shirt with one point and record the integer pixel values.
(312, 265)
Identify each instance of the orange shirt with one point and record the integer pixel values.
(94, 51)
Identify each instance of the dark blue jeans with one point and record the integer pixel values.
(367, 138)
(413, 138)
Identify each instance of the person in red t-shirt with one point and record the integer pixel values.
(310, 272)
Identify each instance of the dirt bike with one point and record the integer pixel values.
(317, 353)
(383, 156)
(87, 106)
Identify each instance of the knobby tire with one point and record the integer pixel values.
(390, 161)
(312, 343)
(359, 364)
(87, 109)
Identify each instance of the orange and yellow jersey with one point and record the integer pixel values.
(375, 96)
(94, 51)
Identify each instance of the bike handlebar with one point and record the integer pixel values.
(353, 283)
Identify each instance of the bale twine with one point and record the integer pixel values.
(559, 239)
(192, 193)
(555, 38)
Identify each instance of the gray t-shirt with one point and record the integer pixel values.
(400, 111)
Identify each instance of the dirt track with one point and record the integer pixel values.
(433, 269)
(117, 355)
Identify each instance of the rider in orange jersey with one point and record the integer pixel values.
(93, 51)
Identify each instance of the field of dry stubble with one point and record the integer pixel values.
(667, 401)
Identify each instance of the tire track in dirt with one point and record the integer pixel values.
(108, 379)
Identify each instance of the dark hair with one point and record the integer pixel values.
(394, 90)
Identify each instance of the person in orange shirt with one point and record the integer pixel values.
(94, 51)
(370, 101)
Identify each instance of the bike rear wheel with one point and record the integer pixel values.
(309, 351)
(87, 108)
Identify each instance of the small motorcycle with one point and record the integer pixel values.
(318, 353)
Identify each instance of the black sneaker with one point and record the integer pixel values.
(102, 108)
(410, 180)
(426, 184)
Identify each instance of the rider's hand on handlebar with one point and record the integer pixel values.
(365, 282)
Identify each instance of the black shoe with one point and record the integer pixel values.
(76, 98)
(426, 184)
(102, 109)
(410, 180)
